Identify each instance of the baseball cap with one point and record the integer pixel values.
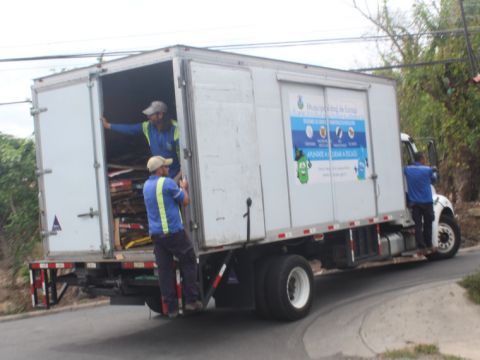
(156, 107)
(156, 162)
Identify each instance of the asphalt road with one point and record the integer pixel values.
(129, 332)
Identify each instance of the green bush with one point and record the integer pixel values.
(472, 284)
(419, 351)
(18, 200)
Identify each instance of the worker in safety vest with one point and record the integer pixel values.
(161, 134)
(162, 198)
(419, 179)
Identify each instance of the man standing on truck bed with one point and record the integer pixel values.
(162, 198)
(161, 134)
(419, 179)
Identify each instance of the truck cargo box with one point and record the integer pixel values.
(315, 149)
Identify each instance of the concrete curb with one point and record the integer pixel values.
(53, 311)
(469, 249)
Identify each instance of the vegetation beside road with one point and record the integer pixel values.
(472, 284)
(439, 95)
(420, 351)
(19, 218)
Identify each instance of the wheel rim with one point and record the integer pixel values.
(298, 287)
(446, 238)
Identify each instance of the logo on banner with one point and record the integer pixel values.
(300, 103)
(56, 224)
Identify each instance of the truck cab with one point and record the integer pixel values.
(445, 231)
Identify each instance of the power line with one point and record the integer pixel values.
(16, 102)
(169, 33)
(453, 32)
(278, 44)
(70, 56)
(413, 65)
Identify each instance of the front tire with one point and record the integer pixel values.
(449, 238)
(290, 287)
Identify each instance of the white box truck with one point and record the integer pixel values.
(287, 163)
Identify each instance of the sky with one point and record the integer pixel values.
(52, 27)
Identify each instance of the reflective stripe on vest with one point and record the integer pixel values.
(176, 133)
(145, 131)
(161, 205)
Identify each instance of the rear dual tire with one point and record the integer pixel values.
(284, 288)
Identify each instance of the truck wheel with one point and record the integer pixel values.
(290, 287)
(154, 303)
(449, 238)
(262, 308)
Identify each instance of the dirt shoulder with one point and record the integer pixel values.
(468, 216)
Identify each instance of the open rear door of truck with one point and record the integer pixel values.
(226, 150)
(68, 136)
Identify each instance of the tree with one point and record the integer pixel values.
(439, 100)
(18, 199)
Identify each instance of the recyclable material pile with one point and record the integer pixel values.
(128, 208)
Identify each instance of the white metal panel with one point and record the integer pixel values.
(271, 145)
(307, 154)
(66, 148)
(385, 128)
(351, 154)
(227, 151)
(102, 181)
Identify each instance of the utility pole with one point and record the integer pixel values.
(471, 56)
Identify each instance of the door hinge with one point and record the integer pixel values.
(43, 172)
(181, 82)
(374, 176)
(103, 249)
(47, 233)
(91, 213)
(35, 111)
(187, 153)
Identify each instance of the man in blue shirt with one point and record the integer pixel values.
(162, 200)
(419, 180)
(162, 134)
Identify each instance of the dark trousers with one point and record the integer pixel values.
(180, 246)
(423, 217)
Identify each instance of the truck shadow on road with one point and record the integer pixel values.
(214, 333)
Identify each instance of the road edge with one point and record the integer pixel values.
(37, 313)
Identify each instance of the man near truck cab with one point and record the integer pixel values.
(161, 134)
(419, 179)
(162, 200)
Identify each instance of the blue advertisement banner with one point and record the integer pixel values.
(323, 146)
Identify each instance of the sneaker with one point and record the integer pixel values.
(194, 306)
